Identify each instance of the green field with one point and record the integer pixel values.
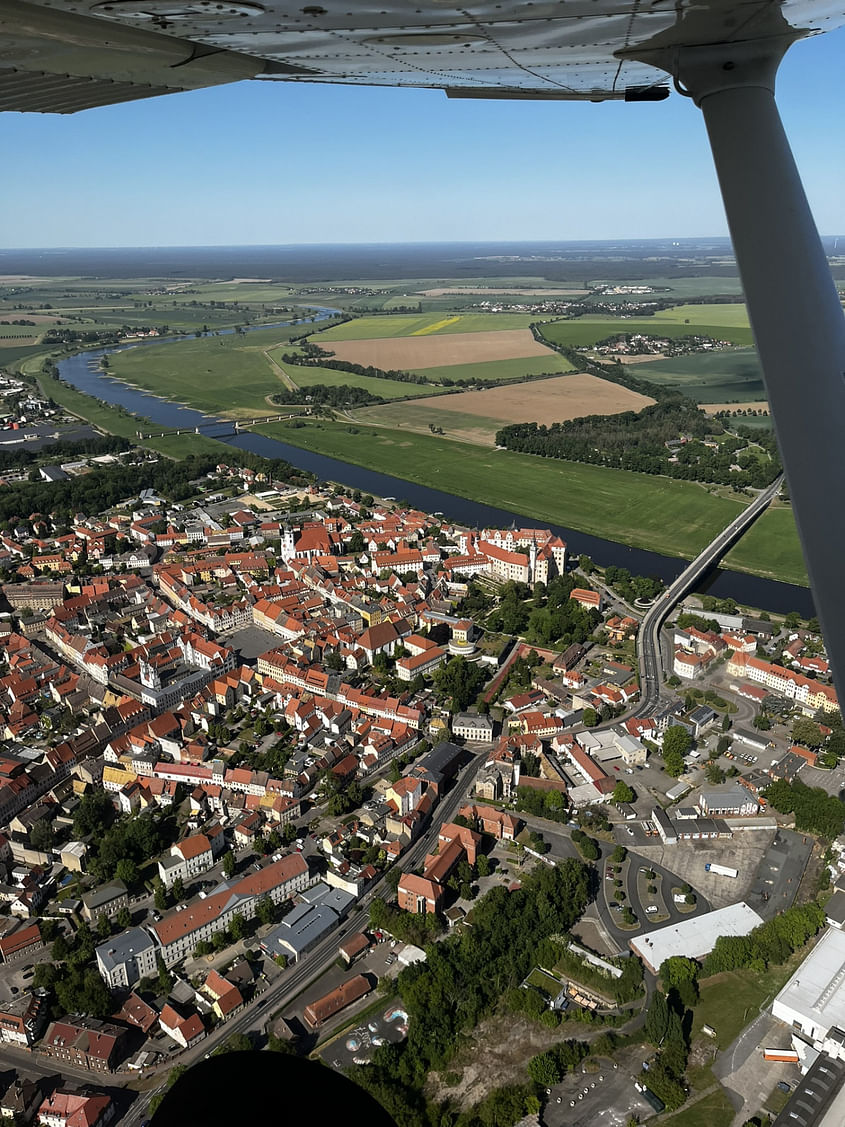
(721, 322)
(226, 375)
(712, 1110)
(9, 354)
(675, 517)
(709, 377)
(216, 374)
(502, 369)
(728, 315)
(411, 324)
(771, 547)
(387, 389)
(731, 1000)
(420, 416)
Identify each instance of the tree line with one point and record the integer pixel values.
(636, 440)
(771, 942)
(342, 395)
(815, 810)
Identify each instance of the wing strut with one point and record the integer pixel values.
(793, 304)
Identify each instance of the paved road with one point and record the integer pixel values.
(648, 642)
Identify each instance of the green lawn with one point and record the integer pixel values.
(771, 547)
(710, 377)
(712, 1110)
(411, 324)
(544, 982)
(502, 369)
(731, 1000)
(674, 517)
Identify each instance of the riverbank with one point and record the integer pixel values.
(674, 518)
(117, 420)
(599, 511)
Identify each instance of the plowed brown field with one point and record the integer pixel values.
(546, 401)
(410, 353)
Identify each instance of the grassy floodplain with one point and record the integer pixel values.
(113, 420)
(673, 517)
(225, 375)
(771, 548)
(305, 377)
(234, 375)
(422, 414)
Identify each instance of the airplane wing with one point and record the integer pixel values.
(59, 56)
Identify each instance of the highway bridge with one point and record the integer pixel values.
(229, 428)
(648, 642)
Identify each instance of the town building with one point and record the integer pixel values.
(813, 1001)
(22, 1020)
(69, 1108)
(179, 932)
(126, 958)
(321, 910)
(106, 900)
(735, 802)
(85, 1042)
(186, 1030)
(188, 859)
(18, 944)
(694, 937)
(317, 1013)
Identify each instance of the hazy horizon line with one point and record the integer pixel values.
(386, 243)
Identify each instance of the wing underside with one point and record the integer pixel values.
(61, 56)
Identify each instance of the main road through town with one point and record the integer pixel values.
(648, 645)
(317, 962)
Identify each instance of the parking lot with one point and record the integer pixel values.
(779, 873)
(606, 1098)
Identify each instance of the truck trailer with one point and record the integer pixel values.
(721, 870)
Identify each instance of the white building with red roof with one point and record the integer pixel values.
(66, 1108)
(180, 930)
(188, 858)
(185, 1031)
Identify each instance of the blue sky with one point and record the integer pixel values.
(281, 163)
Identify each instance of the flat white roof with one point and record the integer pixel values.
(696, 936)
(817, 989)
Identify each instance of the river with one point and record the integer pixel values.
(84, 373)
